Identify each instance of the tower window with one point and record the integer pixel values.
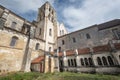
(74, 40)
(37, 46)
(13, 41)
(88, 36)
(40, 31)
(62, 32)
(50, 32)
(49, 49)
(13, 25)
(59, 49)
(63, 42)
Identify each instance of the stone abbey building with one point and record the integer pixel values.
(44, 45)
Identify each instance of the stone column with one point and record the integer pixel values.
(77, 60)
(52, 64)
(56, 61)
(46, 65)
(65, 60)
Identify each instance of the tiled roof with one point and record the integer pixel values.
(117, 45)
(83, 51)
(102, 48)
(109, 24)
(38, 60)
(60, 54)
(70, 52)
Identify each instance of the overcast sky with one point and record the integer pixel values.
(75, 14)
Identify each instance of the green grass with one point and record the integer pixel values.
(57, 76)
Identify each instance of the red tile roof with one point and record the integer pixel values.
(117, 45)
(70, 52)
(84, 51)
(60, 54)
(102, 48)
(38, 60)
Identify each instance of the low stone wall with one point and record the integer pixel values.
(108, 70)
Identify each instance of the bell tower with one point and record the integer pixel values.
(47, 25)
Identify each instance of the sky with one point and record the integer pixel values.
(75, 14)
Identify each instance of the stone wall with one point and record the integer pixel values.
(11, 57)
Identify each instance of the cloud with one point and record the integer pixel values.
(23, 6)
(91, 12)
(76, 14)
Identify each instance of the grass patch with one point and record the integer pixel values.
(57, 76)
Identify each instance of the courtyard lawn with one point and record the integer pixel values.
(57, 76)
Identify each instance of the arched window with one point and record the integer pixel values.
(63, 42)
(110, 60)
(62, 32)
(86, 61)
(74, 40)
(13, 25)
(82, 62)
(68, 62)
(72, 64)
(75, 63)
(49, 49)
(50, 32)
(37, 46)
(61, 63)
(40, 31)
(90, 61)
(59, 49)
(104, 61)
(99, 61)
(88, 36)
(13, 41)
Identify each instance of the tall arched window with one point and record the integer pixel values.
(62, 32)
(90, 61)
(75, 63)
(72, 64)
(63, 42)
(68, 63)
(82, 62)
(110, 60)
(86, 61)
(104, 61)
(99, 61)
(40, 31)
(50, 32)
(49, 49)
(13, 41)
(37, 46)
(59, 49)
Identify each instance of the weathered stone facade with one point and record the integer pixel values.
(45, 46)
